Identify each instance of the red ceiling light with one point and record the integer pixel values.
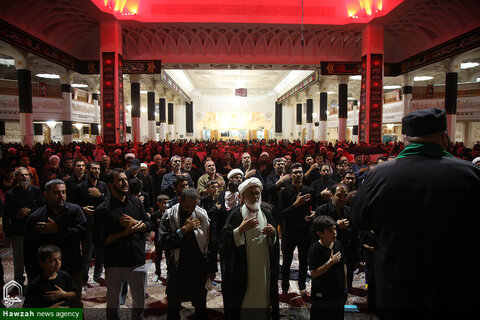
(123, 7)
(364, 8)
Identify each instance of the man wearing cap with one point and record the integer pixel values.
(129, 157)
(419, 207)
(228, 199)
(249, 247)
(52, 171)
(476, 161)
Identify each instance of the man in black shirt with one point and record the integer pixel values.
(296, 203)
(157, 171)
(89, 195)
(277, 180)
(77, 177)
(120, 226)
(20, 201)
(60, 223)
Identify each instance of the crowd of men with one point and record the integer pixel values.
(220, 206)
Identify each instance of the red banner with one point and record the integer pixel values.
(362, 113)
(108, 99)
(242, 92)
(376, 98)
(42, 89)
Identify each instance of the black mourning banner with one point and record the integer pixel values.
(67, 127)
(189, 116)
(278, 117)
(135, 99)
(342, 100)
(162, 110)
(299, 113)
(323, 106)
(309, 110)
(451, 84)
(38, 129)
(151, 106)
(170, 113)
(25, 90)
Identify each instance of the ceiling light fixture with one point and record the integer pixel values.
(48, 75)
(79, 85)
(391, 87)
(289, 78)
(357, 77)
(7, 62)
(422, 78)
(468, 65)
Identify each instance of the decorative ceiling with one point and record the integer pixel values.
(271, 48)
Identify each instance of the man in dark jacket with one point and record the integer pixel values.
(60, 223)
(20, 201)
(419, 207)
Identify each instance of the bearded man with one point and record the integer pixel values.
(60, 223)
(249, 247)
(20, 201)
(120, 226)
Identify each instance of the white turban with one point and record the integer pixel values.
(251, 182)
(234, 172)
(477, 159)
(53, 157)
(129, 155)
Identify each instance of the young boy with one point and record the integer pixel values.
(162, 200)
(328, 270)
(54, 287)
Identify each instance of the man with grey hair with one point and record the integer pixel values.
(20, 201)
(169, 178)
(60, 223)
(185, 234)
(210, 174)
(249, 248)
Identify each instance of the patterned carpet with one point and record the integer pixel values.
(292, 306)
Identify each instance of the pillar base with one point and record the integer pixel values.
(342, 129)
(136, 129)
(323, 131)
(451, 124)
(152, 130)
(26, 128)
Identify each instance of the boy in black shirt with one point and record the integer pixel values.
(328, 270)
(54, 287)
(162, 200)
